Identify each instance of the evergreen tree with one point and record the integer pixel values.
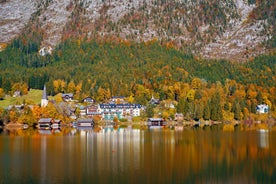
(227, 106)
(186, 107)
(253, 107)
(7, 86)
(259, 98)
(180, 106)
(216, 110)
(207, 111)
(198, 94)
(198, 114)
(150, 111)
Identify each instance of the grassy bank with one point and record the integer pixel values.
(33, 97)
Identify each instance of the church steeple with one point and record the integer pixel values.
(44, 96)
(44, 100)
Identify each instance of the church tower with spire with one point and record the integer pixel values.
(44, 100)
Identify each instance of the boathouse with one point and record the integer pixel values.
(45, 122)
(156, 122)
(85, 123)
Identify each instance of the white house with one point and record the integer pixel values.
(262, 108)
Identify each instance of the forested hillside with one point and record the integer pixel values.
(200, 88)
(170, 50)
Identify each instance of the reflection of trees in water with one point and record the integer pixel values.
(222, 156)
(156, 156)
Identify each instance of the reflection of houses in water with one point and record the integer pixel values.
(49, 123)
(107, 148)
(156, 122)
(263, 138)
(45, 131)
(43, 161)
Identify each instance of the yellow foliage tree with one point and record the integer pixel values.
(59, 86)
(13, 115)
(24, 89)
(36, 111)
(2, 94)
(71, 87)
(267, 101)
(196, 83)
(191, 95)
(62, 85)
(56, 86)
(130, 99)
(50, 111)
(165, 115)
(78, 89)
(240, 93)
(58, 98)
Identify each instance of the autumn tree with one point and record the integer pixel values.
(36, 112)
(2, 94)
(59, 86)
(191, 95)
(13, 114)
(103, 94)
(142, 95)
(50, 111)
(196, 83)
(22, 87)
(26, 116)
(71, 87)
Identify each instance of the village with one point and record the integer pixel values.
(117, 111)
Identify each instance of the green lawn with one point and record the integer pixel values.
(33, 97)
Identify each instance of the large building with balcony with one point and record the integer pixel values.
(111, 110)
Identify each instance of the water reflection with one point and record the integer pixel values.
(264, 139)
(127, 155)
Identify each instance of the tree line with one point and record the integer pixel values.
(208, 89)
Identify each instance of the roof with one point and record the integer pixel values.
(45, 120)
(85, 120)
(155, 119)
(110, 106)
(67, 94)
(88, 97)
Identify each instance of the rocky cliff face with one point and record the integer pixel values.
(212, 29)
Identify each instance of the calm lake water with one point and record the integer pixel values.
(137, 156)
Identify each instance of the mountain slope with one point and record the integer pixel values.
(230, 29)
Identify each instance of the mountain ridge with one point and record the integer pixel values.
(233, 29)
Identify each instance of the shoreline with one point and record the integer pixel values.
(172, 125)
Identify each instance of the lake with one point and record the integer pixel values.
(137, 156)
